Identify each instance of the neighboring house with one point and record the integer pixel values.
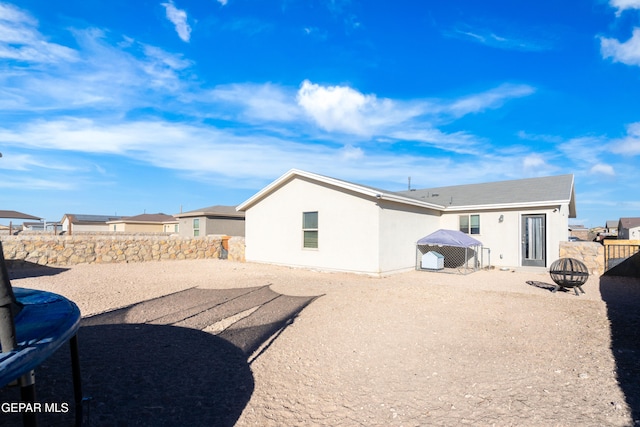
(42, 226)
(629, 229)
(309, 220)
(82, 223)
(216, 219)
(145, 223)
(611, 227)
(578, 232)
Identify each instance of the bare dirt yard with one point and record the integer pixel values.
(493, 348)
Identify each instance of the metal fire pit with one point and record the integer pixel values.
(569, 273)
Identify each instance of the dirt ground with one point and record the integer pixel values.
(493, 348)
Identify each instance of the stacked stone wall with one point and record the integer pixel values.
(89, 248)
(590, 253)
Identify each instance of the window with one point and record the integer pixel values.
(310, 230)
(470, 224)
(196, 227)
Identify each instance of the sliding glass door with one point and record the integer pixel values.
(534, 241)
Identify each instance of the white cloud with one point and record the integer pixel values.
(602, 169)
(627, 52)
(630, 144)
(350, 152)
(260, 102)
(457, 142)
(223, 2)
(179, 18)
(20, 39)
(343, 109)
(622, 5)
(124, 75)
(534, 162)
(493, 98)
(215, 155)
(508, 40)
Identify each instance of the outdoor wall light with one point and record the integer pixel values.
(501, 218)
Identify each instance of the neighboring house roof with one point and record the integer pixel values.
(612, 224)
(90, 219)
(158, 218)
(628, 223)
(212, 211)
(542, 191)
(16, 215)
(345, 185)
(527, 192)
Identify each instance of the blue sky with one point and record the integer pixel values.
(125, 107)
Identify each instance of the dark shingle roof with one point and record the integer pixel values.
(215, 210)
(158, 217)
(91, 219)
(529, 190)
(629, 222)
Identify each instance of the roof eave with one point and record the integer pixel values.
(502, 206)
(214, 214)
(409, 201)
(296, 172)
(365, 191)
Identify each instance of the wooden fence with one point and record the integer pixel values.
(616, 251)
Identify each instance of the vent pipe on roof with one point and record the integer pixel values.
(409, 184)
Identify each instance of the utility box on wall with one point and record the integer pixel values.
(432, 261)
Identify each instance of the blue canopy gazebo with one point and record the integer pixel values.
(461, 252)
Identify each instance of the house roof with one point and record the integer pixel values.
(629, 223)
(90, 219)
(612, 223)
(542, 191)
(527, 192)
(17, 215)
(345, 185)
(215, 211)
(157, 218)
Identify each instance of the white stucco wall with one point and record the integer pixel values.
(401, 227)
(504, 238)
(347, 228)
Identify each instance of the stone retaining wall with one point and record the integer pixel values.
(590, 253)
(88, 248)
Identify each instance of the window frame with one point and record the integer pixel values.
(196, 227)
(309, 229)
(470, 228)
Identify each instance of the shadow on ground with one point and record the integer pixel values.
(20, 269)
(154, 363)
(622, 296)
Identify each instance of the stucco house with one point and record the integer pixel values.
(83, 223)
(611, 227)
(216, 219)
(629, 229)
(145, 223)
(309, 220)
